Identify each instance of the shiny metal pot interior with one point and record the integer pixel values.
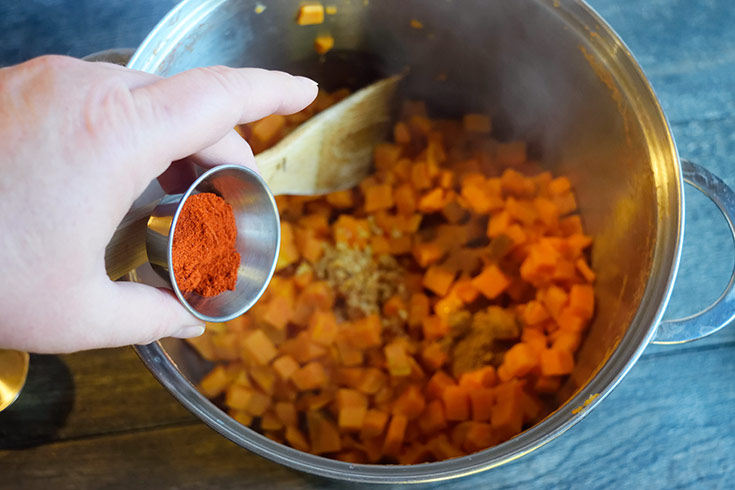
(549, 72)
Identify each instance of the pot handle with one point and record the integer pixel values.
(722, 311)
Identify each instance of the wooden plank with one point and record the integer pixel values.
(686, 49)
(668, 424)
(84, 394)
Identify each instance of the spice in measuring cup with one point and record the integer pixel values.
(204, 257)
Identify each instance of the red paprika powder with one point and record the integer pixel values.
(203, 251)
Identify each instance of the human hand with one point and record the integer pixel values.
(80, 142)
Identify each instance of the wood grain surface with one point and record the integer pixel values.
(99, 420)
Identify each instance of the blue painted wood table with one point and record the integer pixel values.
(99, 420)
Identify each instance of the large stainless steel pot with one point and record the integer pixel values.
(550, 72)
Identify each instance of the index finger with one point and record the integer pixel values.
(194, 109)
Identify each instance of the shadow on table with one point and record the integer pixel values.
(43, 406)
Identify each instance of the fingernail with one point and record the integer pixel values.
(188, 332)
(307, 81)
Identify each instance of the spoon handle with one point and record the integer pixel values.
(126, 250)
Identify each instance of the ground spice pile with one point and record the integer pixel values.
(204, 257)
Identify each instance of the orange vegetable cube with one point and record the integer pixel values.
(279, 311)
(288, 253)
(570, 321)
(554, 300)
(395, 434)
(264, 377)
(479, 436)
(571, 225)
(491, 282)
(520, 359)
(456, 403)
(268, 129)
(560, 185)
(507, 414)
(438, 279)
(238, 397)
(394, 305)
(449, 304)
(432, 202)
(241, 416)
(341, 199)
(310, 377)
(348, 397)
(397, 359)
(386, 155)
(379, 196)
(286, 413)
(521, 210)
(310, 14)
(437, 384)
(434, 356)
(296, 438)
(323, 327)
(323, 434)
(556, 362)
(323, 43)
(410, 403)
(365, 332)
(214, 382)
(400, 245)
(441, 448)
(351, 418)
(582, 300)
(373, 423)
(499, 224)
(405, 199)
(481, 401)
(270, 422)
(566, 340)
(432, 419)
(418, 309)
(434, 327)
(348, 353)
(535, 313)
(259, 347)
(372, 381)
(421, 176)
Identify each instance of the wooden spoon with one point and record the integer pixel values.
(331, 151)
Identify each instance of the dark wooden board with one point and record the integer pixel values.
(667, 425)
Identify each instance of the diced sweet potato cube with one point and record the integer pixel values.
(491, 282)
(214, 382)
(456, 403)
(438, 279)
(323, 43)
(259, 347)
(556, 362)
(310, 377)
(351, 418)
(394, 435)
(323, 434)
(310, 14)
(397, 359)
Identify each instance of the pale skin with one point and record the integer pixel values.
(79, 143)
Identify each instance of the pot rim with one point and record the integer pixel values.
(617, 58)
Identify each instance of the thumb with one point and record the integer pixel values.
(144, 314)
